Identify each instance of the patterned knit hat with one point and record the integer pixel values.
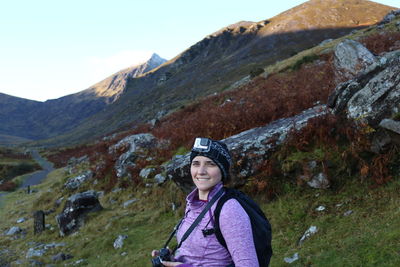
(215, 150)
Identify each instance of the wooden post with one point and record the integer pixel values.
(38, 222)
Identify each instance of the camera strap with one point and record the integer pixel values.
(198, 219)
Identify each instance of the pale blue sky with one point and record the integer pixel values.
(52, 48)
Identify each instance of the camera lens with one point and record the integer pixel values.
(164, 254)
(156, 262)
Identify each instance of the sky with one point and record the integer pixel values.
(51, 48)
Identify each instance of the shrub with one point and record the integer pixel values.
(304, 60)
(255, 72)
(8, 186)
(382, 42)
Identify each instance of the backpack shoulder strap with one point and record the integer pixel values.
(229, 193)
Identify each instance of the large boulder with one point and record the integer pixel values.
(75, 210)
(135, 145)
(373, 95)
(249, 149)
(350, 58)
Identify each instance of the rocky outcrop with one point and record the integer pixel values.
(75, 182)
(249, 148)
(373, 95)
(76, 207)
(135, 145)
(390, 16)
(351, 57)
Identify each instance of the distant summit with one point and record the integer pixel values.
(114, 85)
(22, 118)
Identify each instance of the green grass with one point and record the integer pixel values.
(367, 237)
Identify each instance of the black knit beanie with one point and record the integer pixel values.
(215, 150)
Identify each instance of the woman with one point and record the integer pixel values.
(209, 167)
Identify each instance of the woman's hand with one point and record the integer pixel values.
(171, 263)
(154, 253)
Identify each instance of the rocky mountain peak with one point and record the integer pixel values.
(156, 59)
(113, 86)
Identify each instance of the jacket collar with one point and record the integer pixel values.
(193, 198)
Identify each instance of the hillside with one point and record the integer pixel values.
(22, 118)
(209, 66)
(219, 60)
(333, 168)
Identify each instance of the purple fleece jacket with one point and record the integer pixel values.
(235, 225)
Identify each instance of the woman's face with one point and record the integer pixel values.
(205, 174)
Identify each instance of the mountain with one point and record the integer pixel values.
(37, 120)
(224, 57)
(113, 86)
(209, 66)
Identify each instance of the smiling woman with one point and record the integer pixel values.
(210, 162)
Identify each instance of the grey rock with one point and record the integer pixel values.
(53, 245)
(32, 252)
(117, 190)
(129, 202)
(136, 144)
(390, 125)
(59, 201)
(250, 148)
(80, 261)
(320, 208)
(319, 181)
(373, 95)
(160, 178)
(147, 172)
(351, 57)
(61, 257)
(119, 242)
(347, 213)
(390, 17)
(75, 210)
(14, 230)
(75, 182)
(310, 232)
(292, 259)
(21, 220)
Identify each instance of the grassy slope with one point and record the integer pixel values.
(367, 237)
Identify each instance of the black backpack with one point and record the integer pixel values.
(259, 223)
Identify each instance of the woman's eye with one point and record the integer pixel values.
(211, 163)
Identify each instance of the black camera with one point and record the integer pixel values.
(163, 255)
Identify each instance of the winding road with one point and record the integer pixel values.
(36, 177)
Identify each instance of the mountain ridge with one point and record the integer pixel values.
(24, 118)
(212, 65)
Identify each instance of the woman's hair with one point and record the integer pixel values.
(217, 151)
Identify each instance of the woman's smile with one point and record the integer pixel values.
(205, 174)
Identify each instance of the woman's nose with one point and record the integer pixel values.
(202, 169)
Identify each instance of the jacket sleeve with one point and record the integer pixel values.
(236, 228)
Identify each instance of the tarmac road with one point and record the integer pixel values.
(36, 177)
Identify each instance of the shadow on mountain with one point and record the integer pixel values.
(210, 66)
